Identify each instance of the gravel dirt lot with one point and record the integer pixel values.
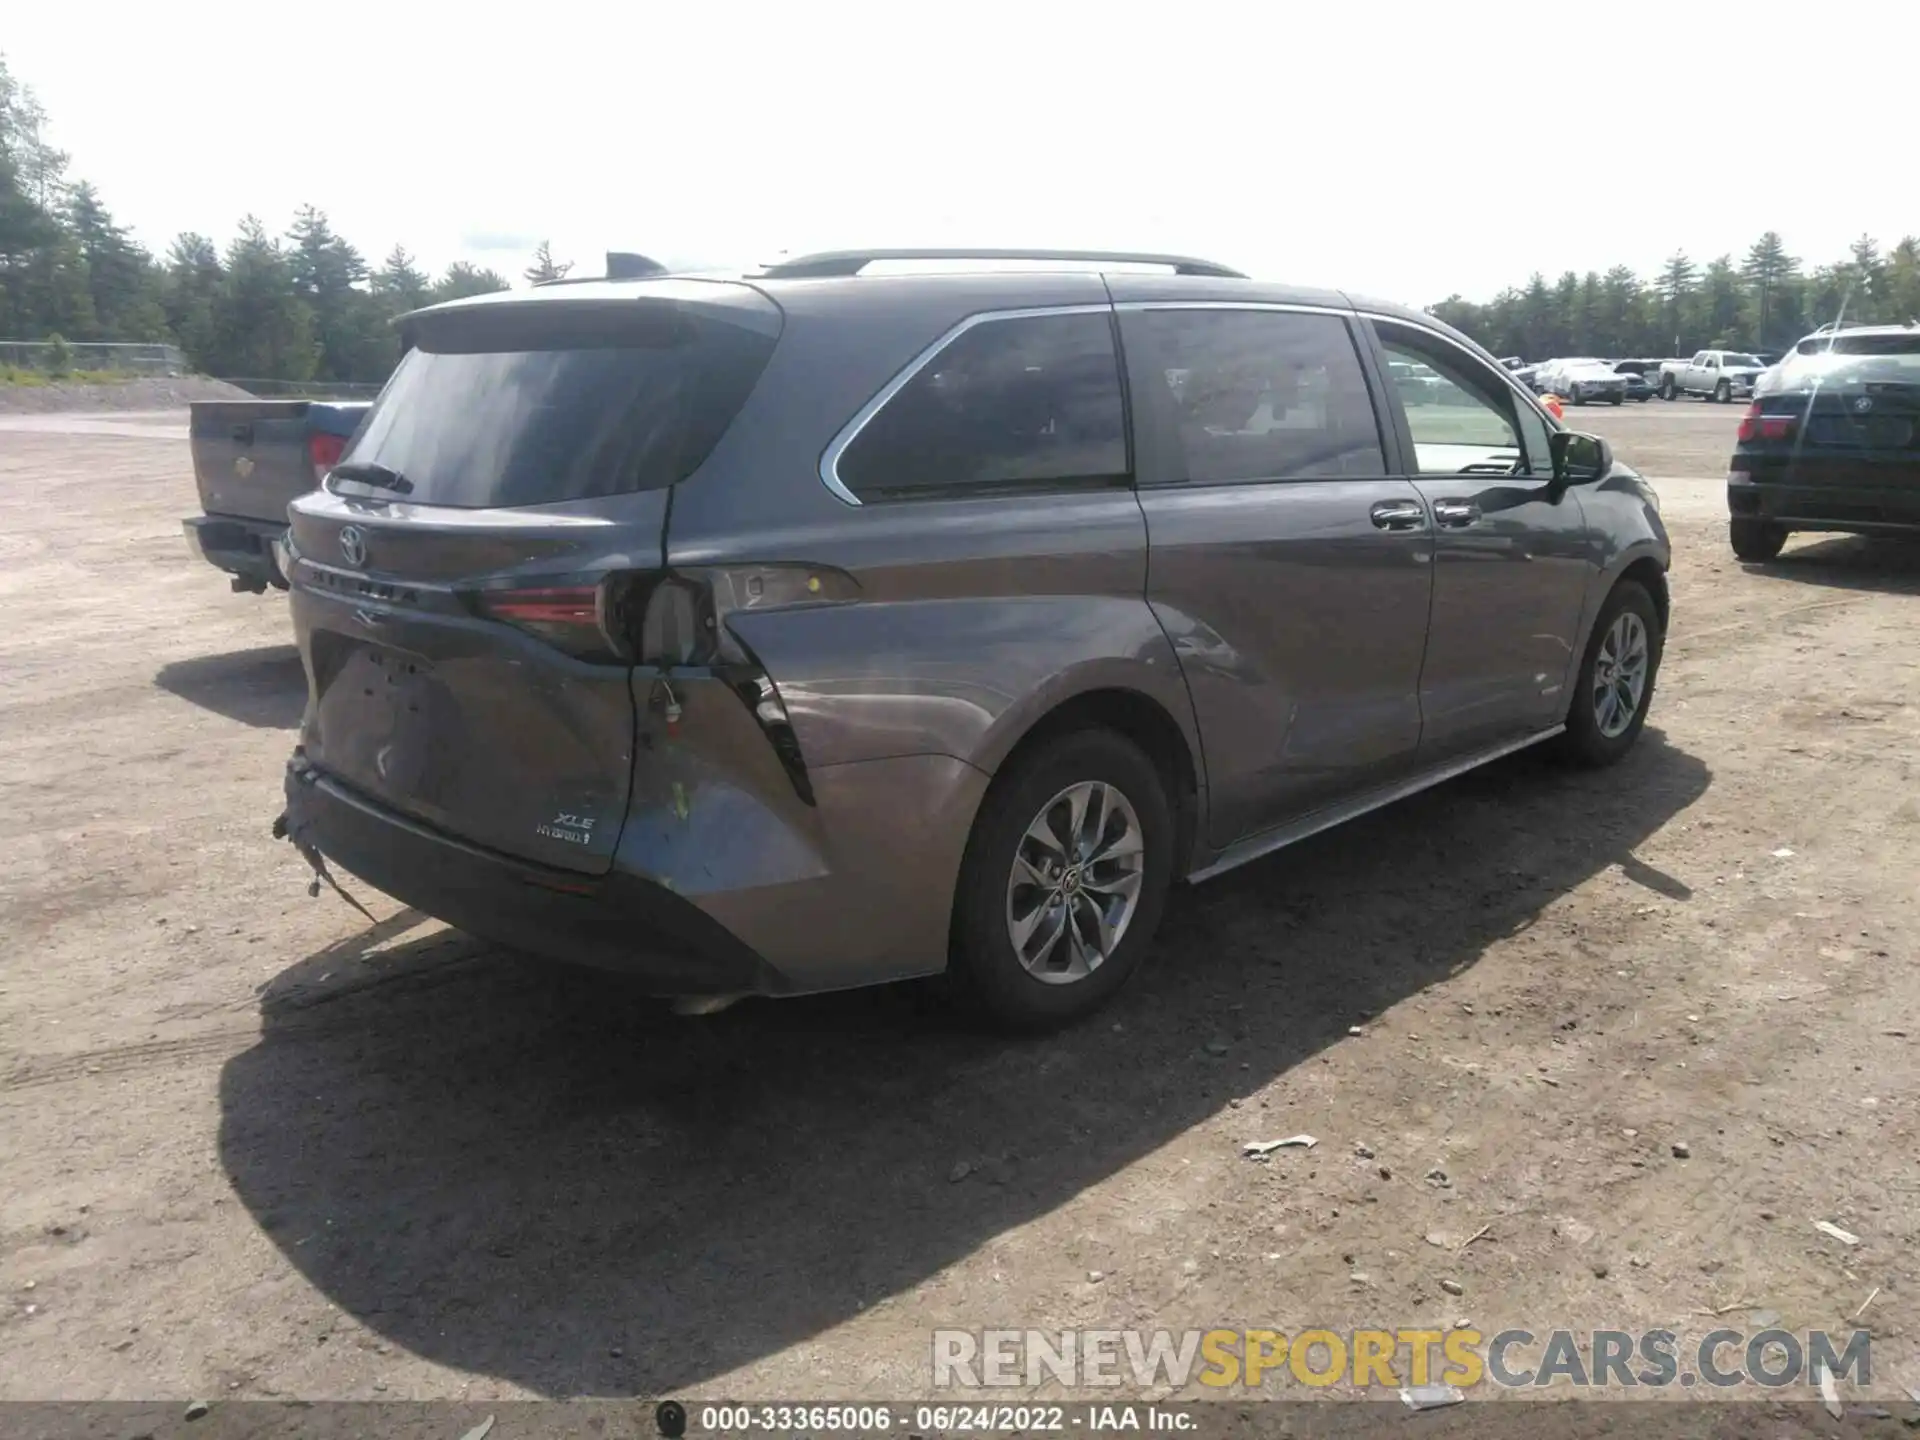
(253, 1147)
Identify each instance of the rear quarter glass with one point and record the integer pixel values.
(536, 401)
(1852, 359)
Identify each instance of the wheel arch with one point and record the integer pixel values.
(1164, 732)
(1644, 562)
(1646, 570)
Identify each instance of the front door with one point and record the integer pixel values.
(1290, 569)
(1512, 560)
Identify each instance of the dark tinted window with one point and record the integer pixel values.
(1008, 403)
(528, 404)
(1262, 395)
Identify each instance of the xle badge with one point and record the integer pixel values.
(574, 829)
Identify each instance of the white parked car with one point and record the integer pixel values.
(1582, 379)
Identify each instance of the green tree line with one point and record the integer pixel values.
(305, 305)
(1765, 300)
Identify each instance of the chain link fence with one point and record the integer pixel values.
(50, 357)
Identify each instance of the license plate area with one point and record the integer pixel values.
(1878, 432)
(385, 704)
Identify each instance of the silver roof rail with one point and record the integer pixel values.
(839, 263)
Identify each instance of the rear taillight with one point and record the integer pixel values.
(672, 620)
(565, 616)
(684, 618)
(1756, 424)
(324, 451)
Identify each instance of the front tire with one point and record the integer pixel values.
(1577, 395)
(1722, 393)
(1616, 399)
(1064, 881)
(1615, 685)
(1756, 541)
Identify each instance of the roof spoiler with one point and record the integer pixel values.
(629, 265)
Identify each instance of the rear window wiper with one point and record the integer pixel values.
(370, 472)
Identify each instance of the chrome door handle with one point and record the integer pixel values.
(1399, 515)
(1455, 514)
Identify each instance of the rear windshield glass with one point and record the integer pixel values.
(1735, 358)
(530, 404)
(1851, 359)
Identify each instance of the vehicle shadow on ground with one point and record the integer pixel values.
(535, 1174)
(1850, 562)
(264, 687)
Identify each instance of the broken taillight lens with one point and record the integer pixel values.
(672, 620)
(565, 616)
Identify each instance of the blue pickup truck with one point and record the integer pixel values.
(250, 459)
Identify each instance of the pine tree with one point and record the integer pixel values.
(1867, 268)
(262, 328)
(39, 169)
(191, 290)
(1903, 282)
(463, 279)
(545, 268)
(1676, 288)
(328, 274)
(1766, 268)
(1720, 304)
(401, 282)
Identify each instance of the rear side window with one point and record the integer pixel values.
(1261, 395)
(533, 403)
(1854, 359)
(1024, 401)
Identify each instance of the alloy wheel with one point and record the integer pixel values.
(1075, 883)
(1620, 675)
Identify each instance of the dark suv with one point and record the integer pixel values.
(1831, 442)
(822, 626)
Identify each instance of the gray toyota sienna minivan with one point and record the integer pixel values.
(824, 626)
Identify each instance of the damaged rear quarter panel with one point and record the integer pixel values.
(961, 657)
(851, 889)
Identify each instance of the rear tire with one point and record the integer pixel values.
(1756, 541)
(1577, 395)
(1668, 390)
(1722, 393)
(1626, 644)
(1616, 399)
(1008, 876)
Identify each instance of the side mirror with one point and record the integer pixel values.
(1579, 458)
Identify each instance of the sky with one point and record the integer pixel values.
(1409, 149)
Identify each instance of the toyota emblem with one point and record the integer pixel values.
(353, 545)
(1863, 405)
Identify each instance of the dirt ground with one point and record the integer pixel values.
(254, 1148)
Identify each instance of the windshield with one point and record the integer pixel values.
(1734, 359)
(1854, 359)
(530, 404)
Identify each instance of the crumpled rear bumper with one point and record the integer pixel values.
(613, 922)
